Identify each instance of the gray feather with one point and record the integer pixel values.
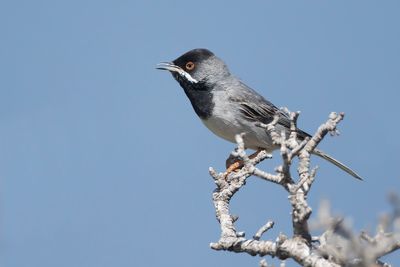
(256, 108)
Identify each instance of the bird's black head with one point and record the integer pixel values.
(195, 56)
(198, 71)
(196, 68)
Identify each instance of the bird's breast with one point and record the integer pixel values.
(226, 123)
(221, 127)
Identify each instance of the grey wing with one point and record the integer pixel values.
(255, 108)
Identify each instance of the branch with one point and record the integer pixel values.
(300, 247)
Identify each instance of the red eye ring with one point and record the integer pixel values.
(189, 65)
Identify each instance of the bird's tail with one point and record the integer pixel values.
(337, 163)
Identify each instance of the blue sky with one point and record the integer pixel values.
(103, 161)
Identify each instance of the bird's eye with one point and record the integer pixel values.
(189, 65)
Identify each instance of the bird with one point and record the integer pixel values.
(227, 106)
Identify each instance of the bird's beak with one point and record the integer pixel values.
(169, 66)
(176, 69)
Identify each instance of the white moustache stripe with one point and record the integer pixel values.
(188, 76)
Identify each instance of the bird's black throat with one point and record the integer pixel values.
(199, 95)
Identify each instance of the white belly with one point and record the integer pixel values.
(221, 128)
(227, 127)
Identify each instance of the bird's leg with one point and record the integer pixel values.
(232, 163)
(235, 163)
(234, 167)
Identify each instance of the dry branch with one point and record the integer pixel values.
(337, 246)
